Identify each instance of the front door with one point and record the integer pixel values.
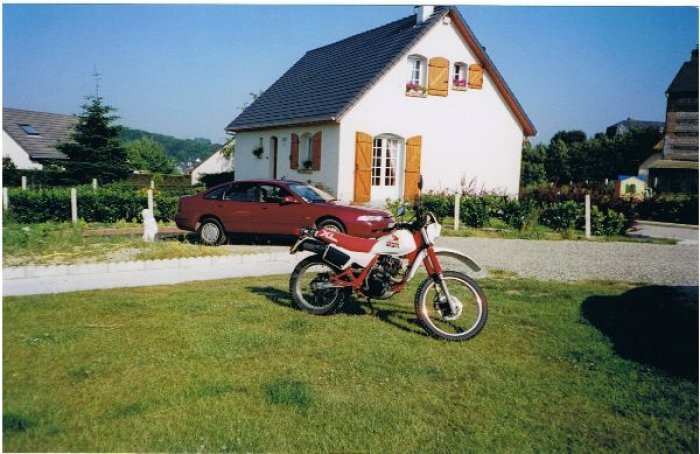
(273, 158)
(386, 163)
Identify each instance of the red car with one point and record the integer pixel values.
(273, 207)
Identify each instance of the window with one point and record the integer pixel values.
(307, 148)
(215, 194)
(242, 193)
(385, 151)
(416, 75)
(270, 193)
(459, 80)
(29, 129)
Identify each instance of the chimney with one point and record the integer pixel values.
(423, 13)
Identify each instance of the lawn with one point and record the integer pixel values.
(229, 366)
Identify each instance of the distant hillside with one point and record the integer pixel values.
(183, 151)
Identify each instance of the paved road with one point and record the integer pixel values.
(686, 234)
(581, 260)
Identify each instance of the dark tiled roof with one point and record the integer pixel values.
(630, 123)
(52, 128)
(326, 82)
(687, 78)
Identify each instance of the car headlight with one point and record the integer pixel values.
(366, 218)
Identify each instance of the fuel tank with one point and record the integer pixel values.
(398, 243)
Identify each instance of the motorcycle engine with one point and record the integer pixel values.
(383, 275)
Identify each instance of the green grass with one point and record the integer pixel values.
(230, 366)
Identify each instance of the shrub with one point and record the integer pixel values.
(519, 215)
(561, 216)
(475, 211)
(443, 205)
(607, 222)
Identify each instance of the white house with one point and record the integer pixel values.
(218, 162)
(29, 137)
(367, 115)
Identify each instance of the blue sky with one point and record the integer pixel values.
(185, 70)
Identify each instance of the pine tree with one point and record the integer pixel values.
(95, 150)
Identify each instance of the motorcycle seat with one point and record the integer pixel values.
(349, 242)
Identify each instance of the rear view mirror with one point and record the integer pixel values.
(289, 199)
(401, 211)
(420, 183)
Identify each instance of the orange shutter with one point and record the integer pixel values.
(438, 76)
(363, 166)
(294, 155)
(316, 152)
(476, 76)
(412, 175)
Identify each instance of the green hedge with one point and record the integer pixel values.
(101, 205)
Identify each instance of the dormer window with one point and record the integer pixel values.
(29, 129)
(416, 76)
(459, 79)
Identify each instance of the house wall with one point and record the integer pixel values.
(19, 157)
(468, 136)
(248, 166)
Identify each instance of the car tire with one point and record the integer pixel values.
(211, 232)
(332, 225)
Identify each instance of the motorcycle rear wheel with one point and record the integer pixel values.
(433, 310)
(311, 272)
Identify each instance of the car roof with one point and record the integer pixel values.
(259, 181)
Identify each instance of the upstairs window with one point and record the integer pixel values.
(459, 79)
(415, 86)
(29, 129)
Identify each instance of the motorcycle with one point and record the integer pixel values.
(449, 304)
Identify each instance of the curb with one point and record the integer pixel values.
(38, 280)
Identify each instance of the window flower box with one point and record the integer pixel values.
(307, 164)
(258, 152)
(413, 89)
(459, 85)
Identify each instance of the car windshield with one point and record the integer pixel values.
(310, 194)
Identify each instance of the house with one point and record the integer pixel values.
(30, 138)
(630, 124)
(628, 186)
(221, 161)
(367, 115)
(675, 167)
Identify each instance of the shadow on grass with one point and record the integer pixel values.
(653, 325)
(395, 316)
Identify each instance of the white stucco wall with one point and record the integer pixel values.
(248, 166)
(468, 136)
(11, 149)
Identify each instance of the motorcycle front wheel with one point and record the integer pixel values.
(311, 288)
(434, 312)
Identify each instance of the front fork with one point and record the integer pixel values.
(432, 265)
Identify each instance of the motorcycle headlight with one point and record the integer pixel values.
(367, 218)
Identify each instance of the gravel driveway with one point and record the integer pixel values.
(581, 260)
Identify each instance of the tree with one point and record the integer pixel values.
(147, 155)
(533, 169)
(95, 150)
(569, 137)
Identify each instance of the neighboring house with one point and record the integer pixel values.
(675, 168)
(366, 116)
(29, 138)
(630, 124)
(630, 187)
(216, 163)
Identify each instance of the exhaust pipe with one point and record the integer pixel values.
(316, 248)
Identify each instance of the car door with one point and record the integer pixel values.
(237, 207)
(278, 217)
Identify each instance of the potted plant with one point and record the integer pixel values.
(414, 89)
(258, 152)
(307, 164)
(458, 84)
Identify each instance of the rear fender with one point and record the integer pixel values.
(443, 252)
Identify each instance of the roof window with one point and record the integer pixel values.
(29, 129)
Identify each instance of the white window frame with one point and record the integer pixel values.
(417, 65)
(386, 151)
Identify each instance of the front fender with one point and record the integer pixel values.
(444, 252)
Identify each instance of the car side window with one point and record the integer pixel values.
(242, 193)
(270, 193)
(215, 194)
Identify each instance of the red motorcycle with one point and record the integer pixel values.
(450, 305)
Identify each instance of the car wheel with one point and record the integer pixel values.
(332, 225)
(211, 232)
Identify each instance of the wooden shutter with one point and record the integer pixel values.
(316, 152)
(476, 76)
(294, 154)
(363, 167)
(412, 173)
(438, 76)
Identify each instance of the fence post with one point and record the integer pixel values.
(5, 199)
(153, 184)
(24, 182)
(94, 183)
(74, 205)
(150, 200)
(588, 215)
(458, 198)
